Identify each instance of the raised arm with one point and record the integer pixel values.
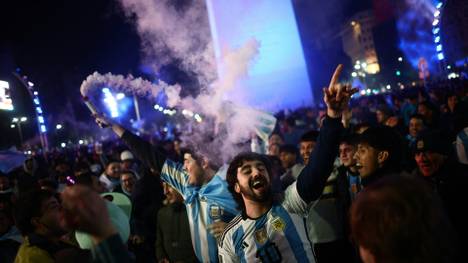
(150, 155)
(313, 177)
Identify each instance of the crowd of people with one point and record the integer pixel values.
(371, 179)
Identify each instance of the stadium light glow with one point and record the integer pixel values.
(110, 102)
(120, 96)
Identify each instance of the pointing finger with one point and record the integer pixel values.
(335, 77)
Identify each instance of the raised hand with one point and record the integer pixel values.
(102, 121)
(337, 96)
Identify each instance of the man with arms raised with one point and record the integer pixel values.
(272, 229)
(208, 202)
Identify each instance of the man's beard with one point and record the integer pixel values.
(250, 193)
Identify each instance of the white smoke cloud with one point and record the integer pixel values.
(169, 33)
(129, 85)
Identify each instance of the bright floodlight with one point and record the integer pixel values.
(436, 22)
(80, 141)
(58, 126)
(63, 145)
(439, 47)
(30, 84)
(12, 126)
(23, 119)
(354, 74)
(111, 102)
(439, 5)
(440, 56)
(43, 128)
(14, 120)
(436, 13)
(437, 39)
(400, 59)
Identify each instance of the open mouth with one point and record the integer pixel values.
(358, 166)
(258, 183)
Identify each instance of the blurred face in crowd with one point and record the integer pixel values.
(287, 159)
(425, 112)
(253, 181)
(347, 154)
(369, 159)
(113, 170)
(177, 146)
(305, 149)
(127, 164)
(275, 139)
(51, 221)
(429, 162)
(194, 170)
(381, 117)
(127, 181)
(274, 149)
(416, 125)
(172, 196)
(452, 102)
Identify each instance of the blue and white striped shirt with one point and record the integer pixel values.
(278, 236)
(205, 205)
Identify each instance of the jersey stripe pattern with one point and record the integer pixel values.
(278, 236)
(205, 205)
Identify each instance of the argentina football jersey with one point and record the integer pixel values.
(278, 236)
(205, 205)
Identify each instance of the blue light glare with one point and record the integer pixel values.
(278, 77)
(111, 103)
(416, 38)
(39, 110)
(439, 48)
(439, 5)
(437, 39)
(43, 129)
(440, 56)
(40, 119)
(436, 30)
(36, 101)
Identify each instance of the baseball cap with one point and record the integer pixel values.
(431, 141)
(126, 155)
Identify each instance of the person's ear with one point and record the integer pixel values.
(382, 157)
(237, 188)
(205, 164)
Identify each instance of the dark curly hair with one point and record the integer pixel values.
(237, 162)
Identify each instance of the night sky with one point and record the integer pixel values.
(57, 44)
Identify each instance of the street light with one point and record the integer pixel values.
(16, 122)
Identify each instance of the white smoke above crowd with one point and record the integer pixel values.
(181, 33)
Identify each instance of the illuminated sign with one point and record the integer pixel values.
(5, 101)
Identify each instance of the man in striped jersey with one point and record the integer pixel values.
(272, 229)
(206, 197)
